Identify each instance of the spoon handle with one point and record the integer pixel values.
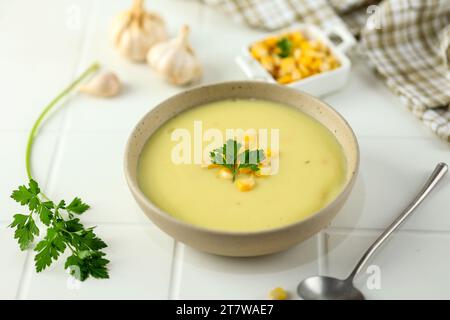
(438, 173)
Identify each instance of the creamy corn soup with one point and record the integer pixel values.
(310, 174)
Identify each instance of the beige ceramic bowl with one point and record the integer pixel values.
(241, 243)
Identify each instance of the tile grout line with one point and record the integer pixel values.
(110, 131)
(118, 223)
(176, 270)
(322, 246)
(334, 230)
(25, 279)
(366, 231)
(90, 23)
(66, 119)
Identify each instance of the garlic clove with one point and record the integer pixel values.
(136, 30)
(175, 59)
(105, 84)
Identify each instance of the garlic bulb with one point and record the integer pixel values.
(175, 59)
(106, 84)
(136, 30)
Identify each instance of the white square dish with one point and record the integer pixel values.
(318, 84)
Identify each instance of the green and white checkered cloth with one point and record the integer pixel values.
(408, 42)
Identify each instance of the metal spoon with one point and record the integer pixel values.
(328, 288)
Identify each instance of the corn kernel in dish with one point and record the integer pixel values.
(245, 184)
(225, 173)
(292, 56)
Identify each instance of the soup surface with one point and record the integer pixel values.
(311, 170)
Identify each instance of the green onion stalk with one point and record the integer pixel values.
(31, 137)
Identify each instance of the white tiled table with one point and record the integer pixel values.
(80, 151)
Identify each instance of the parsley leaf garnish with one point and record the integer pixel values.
(228, 156)
(285, 46)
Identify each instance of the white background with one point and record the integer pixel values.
(79, 152)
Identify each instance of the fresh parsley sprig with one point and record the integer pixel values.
(285, 46)
(64, 230)
(228, 156)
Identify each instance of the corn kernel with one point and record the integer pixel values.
(296, 75)
(297, 54)
(305, 45)
(267, 63)
(245, 184)
(258, 50)
(325, 66)
(314, 44)
(276, 60)
(315, 65)
(278, 294)
(225, 173)
(271, 41)
(287, 65)
(317, 54)
(333, 63)
(285, 79)
(306, 60)
(304, 71)
(245, 170)
(297, 37)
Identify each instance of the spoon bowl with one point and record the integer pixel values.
(328, 288)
